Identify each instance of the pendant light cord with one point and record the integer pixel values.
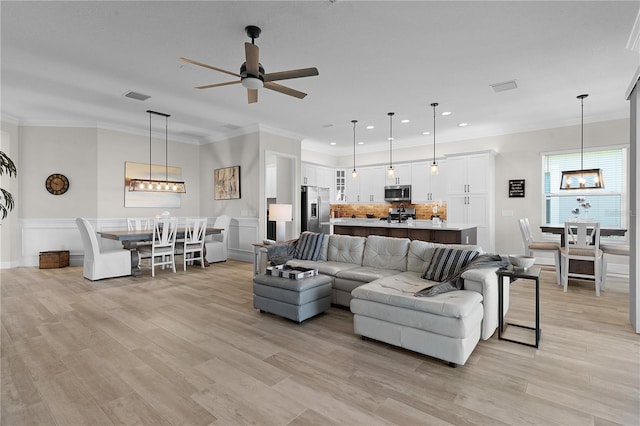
(434, 105)
(354, 144)
(581, 97)
(390, 114)
(166, 149)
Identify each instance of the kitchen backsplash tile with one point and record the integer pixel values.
(423, 211)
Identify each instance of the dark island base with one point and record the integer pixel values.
(443, 236)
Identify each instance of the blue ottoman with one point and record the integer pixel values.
(296, 300)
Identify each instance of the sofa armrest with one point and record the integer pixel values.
(485, 282)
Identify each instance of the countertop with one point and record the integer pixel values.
(417, 224)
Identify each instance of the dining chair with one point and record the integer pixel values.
(161, 252)
(217, 247)
(582, 242)
(192, 246)
(98, 264)
(611, 250)
(139, 223)
(530, 246)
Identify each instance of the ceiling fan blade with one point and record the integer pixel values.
(283, 89)
(209, 86)
(252, 55)
(200, 64)
(285, 75)
(252, 95)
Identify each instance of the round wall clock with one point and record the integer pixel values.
(57, 184)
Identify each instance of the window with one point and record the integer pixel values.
(608, 205)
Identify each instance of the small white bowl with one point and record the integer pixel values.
(519, 261)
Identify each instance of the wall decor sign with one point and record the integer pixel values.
(150, 199)
(516, 188)
(226, 183)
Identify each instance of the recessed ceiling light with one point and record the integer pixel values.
(360, 143)
(136, 95)
(446, 113)
(389, 139)
(426, 133)
(504, 86)
(327, 125)
(332, 143)
(369, 127)
(463, 124)
(405, 121)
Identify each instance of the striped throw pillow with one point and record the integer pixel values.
(309, 245)
(447, 262)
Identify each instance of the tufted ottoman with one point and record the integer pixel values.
(296, 300)
(446, 326)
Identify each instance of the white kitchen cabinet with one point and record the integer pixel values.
(401, 176)
(470, 174)
(471, 194)
(339, 194)
(324, 177)
(368, 187)
(309, 174)
(425, 187)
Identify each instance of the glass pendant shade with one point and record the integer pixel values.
(156, 185)
(434, 168)
(583, 178)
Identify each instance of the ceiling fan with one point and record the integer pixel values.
(252, 75)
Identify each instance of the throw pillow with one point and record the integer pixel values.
(309, 245)
(447, 262)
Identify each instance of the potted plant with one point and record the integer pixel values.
(6, 199)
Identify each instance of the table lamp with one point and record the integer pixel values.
(280, 213)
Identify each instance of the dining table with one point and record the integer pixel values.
(582, 266)
(131, 239)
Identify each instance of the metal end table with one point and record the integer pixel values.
(513, 274)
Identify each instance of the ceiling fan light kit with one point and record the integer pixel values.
(154, 185)
(252, 75)
(583, 178)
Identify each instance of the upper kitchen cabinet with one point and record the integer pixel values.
(368, 187)
(425, 187)
(339, 194)
(314, 175)
(470, 174)
(401, 176)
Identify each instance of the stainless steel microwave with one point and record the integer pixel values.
(397, 193)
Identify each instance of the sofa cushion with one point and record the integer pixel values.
(398, 290)
(325, 268)
(309, 245)
(447, 262)
(386, 253)
(365, 274)
(346, 249)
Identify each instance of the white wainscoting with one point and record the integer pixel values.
(39, 235)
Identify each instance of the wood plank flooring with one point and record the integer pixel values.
(189, 349)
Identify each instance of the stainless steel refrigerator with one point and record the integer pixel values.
(315, 209)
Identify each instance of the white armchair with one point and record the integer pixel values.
(99, 264)
(217, 247)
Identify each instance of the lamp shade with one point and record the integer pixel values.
(280, 212)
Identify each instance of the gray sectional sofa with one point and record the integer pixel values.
(377, 277)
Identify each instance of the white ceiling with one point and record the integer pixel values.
(71, 62)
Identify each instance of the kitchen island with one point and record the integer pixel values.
(424, 230)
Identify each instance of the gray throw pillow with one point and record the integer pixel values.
(309, 245)
(447, 262)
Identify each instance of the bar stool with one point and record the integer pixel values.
(614, 250)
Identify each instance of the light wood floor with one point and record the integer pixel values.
(188, 348)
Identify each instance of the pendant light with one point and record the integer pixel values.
(583, 178)
(155, 185)
(354, 174)
(390, 171)
(434, 165)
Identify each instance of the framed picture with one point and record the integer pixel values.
(226, 183)
(516, 188)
